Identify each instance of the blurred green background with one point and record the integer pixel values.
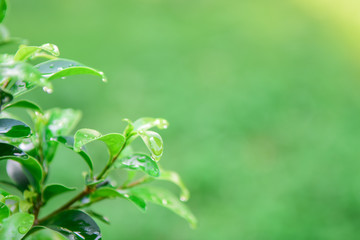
(262, 99)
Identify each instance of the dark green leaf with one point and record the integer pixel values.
(16, 226)
(33, 167)
(154, 143)
(108, 192)
(165, 199)
(147, 123)
(26, 52)
(4, 211)
(5, 97)
(114, 141)
(55, 189)
(140, 162)
(69, 143)
(59, 68)
(98, 216)
(24, 104)
(75, 225)
(2, 10)
(175, 178)
(13, 128)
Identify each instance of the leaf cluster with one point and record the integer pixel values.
(29, 149)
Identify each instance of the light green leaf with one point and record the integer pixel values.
(24, 104)
(140, 162)
(59, 68)
(75, 225)
(175, 178)
(147, 123)
(52, 190)
(59, 122)
(69, 143)
(16, 226)
(114, 141)
(154, 143)
(4, 211)
(26, 52)
(13, 128)
(2, 10)
(46, 234)
(108, 192)
(166, 199)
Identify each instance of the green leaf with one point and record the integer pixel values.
(45, 234)
(129, 128)
(24, 104)
(166, 199)
(33, 167)
(98, 216)
(52, 190)
(147, 123)
(59, 68)
(175, 178)
(21, 77)
(154, 143)
(2, 10)
(140, 162)
(13, 128)
(58, 122)
(114, 141)
(16, 226)
(26, 52)
(108, 192)
(5, 97)
(4, 211)
(69, 143)
(75, 225)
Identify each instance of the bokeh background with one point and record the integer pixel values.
(262, 99)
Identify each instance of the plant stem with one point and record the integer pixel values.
(68, 204)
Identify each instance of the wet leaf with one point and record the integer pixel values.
(59, 122)
(5, 97)
(34, 171)
(166, 199)
(52, 190)
(4, 211)
(175, 178)
(24, 104)
(13, 128)
(108, 192)
(147, 123)
(26, 52)
(2, 10)
(69, 143)
(154, 143)
(59, 68)
(140, 162)
(16, 226)
(21, 77)
(75, 225)
(113, 141)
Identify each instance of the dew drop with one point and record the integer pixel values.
(51, 66)
(59, 68)
(182, 198)
(47, 90)
(164, 202)
(63, 77)
(126, 195)
(23, 229)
